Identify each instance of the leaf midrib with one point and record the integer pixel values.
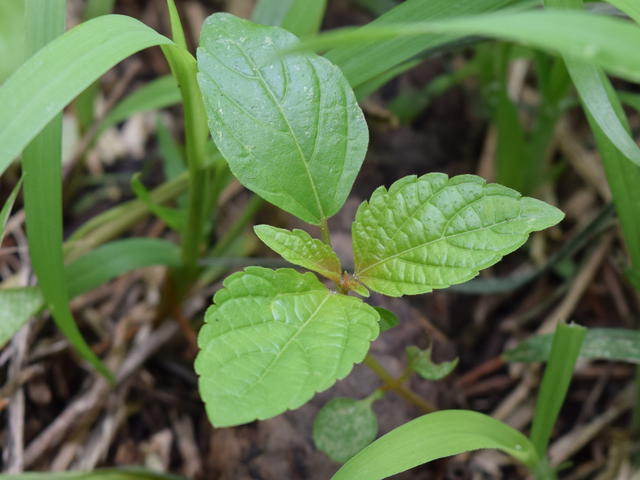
(275, 101)
(426, 244)
(292, 339)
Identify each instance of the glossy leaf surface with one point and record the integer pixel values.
(273, 339)
(343, 427)
(300, 248)
(436, 435)
(433, 231)
(289, 126)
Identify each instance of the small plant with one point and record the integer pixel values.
(291, 130)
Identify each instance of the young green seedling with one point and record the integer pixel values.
(291, 130)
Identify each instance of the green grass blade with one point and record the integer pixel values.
(42, 164)
(600, 40)
(85, 103)
(173, 217)
(436, 435)
(567, 342)
(11, 36)
(611, 131)
(160, 93)
(377, 7)
(84, 274)
(513, 161)
(6, 208)
(613, 344)
(361, 63)
(177, 32)
(630, 7)
(116, 258)
(52, 77)
(300, 17)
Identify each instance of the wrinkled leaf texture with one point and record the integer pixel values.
(273, 339)
(433, 231)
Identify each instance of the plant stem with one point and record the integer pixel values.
(395, 385)
(324, 231)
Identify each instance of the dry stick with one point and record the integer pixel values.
(578, 287)
(569, 444)
(585, 162)
(97, 446)
(14, 453)
(95, 397)
(395, 385)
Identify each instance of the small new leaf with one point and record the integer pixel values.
(388, 319)
(288, 125)
(272, 339)
(298, 247)
(343, 427)
(432, 231)
(420, 362)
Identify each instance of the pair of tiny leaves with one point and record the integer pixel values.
(291, 130)
(273, 338)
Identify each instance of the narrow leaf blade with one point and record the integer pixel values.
(272, 339)
(565, 348)
(291, 131)
(298, 247)
(6, 208)
(432, 231)
(70, 64)
(614, 344)
(361, 63)
(116, 258)
(436, 435)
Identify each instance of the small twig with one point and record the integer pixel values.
(94, 398)
(578, 287)
(14, 453)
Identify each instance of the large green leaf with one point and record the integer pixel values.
(298, 247)
(433, 231)
(57, 73)
(290, 128)
(433, 436)
(273, 339)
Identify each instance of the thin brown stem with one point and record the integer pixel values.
(396, 385)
